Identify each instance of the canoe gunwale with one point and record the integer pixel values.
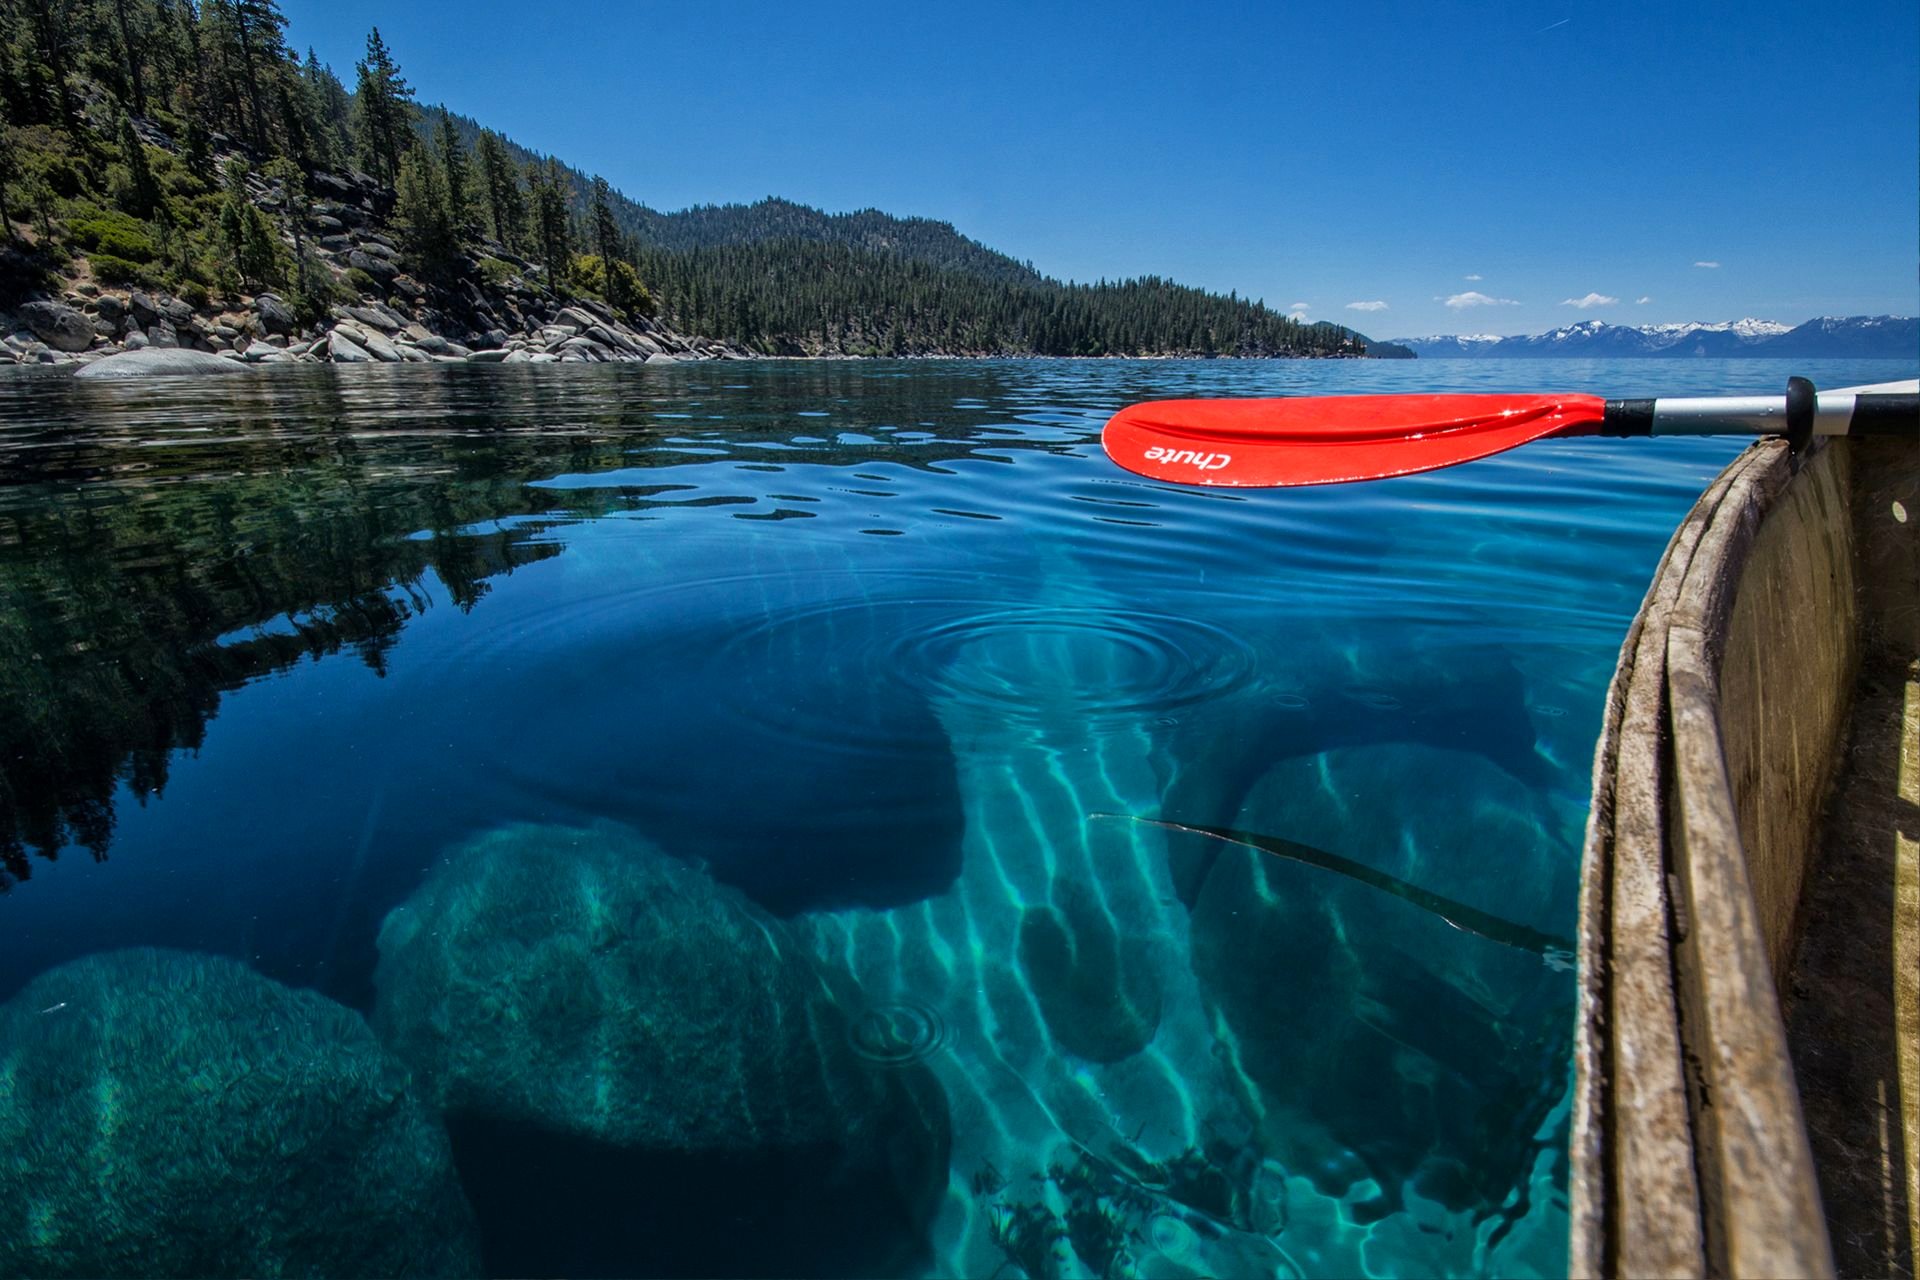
(1689, 1154)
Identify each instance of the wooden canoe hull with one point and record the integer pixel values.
(1690, 1154)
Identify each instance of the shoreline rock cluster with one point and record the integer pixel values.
(90, 324)
(507, 316)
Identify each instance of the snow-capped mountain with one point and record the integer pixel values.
(1748, 330)
(1894, 337)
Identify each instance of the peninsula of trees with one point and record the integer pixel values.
(171, 173)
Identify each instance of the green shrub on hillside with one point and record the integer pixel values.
(625, 291)
(115, 234)
(60, 174)
(620, 290)
(109, 269)
(586, 274)
(180, 184)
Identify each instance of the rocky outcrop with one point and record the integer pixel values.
(165, 1113)
(272, 316)
(87, 327)
(596, 1017)
(391, 317)
(342, 349)
(159, 362)
(60, 327)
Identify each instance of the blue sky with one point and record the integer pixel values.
(1718, 160)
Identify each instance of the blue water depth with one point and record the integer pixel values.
(724, 797)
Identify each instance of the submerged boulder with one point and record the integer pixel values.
(643, 1073)
(159, 362)
(1385, 1041)
(170, 1114)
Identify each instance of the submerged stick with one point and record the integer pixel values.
(1556, 951)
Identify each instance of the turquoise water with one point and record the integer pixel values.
(684, 821)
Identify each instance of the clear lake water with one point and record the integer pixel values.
(684, 820)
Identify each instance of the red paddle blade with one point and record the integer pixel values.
(1331, 439)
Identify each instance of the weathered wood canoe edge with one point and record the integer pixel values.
(1689, 1151)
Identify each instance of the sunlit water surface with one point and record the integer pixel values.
(716, 786)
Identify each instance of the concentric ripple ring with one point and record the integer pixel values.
(898, 1034)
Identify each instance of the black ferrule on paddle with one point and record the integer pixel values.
(1802, 403)
(1886, 415)
(1627, 418)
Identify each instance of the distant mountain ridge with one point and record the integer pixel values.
(785, 278)
(710, 226)
(1892, 337)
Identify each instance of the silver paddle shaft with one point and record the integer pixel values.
(1746, 415)
(1833, 414)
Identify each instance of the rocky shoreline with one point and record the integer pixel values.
(90, 323)
(504, 314)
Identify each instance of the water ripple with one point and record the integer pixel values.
(1032, 662)
(898, 1034)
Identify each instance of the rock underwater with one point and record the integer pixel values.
(159, 362)
(643, 1073)
(164, 1113)
(1385, 1041)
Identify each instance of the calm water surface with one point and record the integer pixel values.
(712, 791)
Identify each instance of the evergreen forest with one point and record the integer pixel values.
(183, 146)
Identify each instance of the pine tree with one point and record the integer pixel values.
(606, 242)
(552, 221)
(385, 105)
(500, 181)
(259, 27)
(143, 192)
(293, 208)
(166, 72)
(192, 89)
(453, 163)
(53, 38)
(244, 230)
(130, 51)
(247, 44)
(331, 110)
(9, 170)
(198, 150)
(297, 119)
(423, 213)
(623, 282)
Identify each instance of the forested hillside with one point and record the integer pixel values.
(180, 146)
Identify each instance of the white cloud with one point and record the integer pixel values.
(1299, 309)
(1366, 306)
(1591, 300)
(1475, 276)
(1474, 298)
(1641, 302)
(1711, 266)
